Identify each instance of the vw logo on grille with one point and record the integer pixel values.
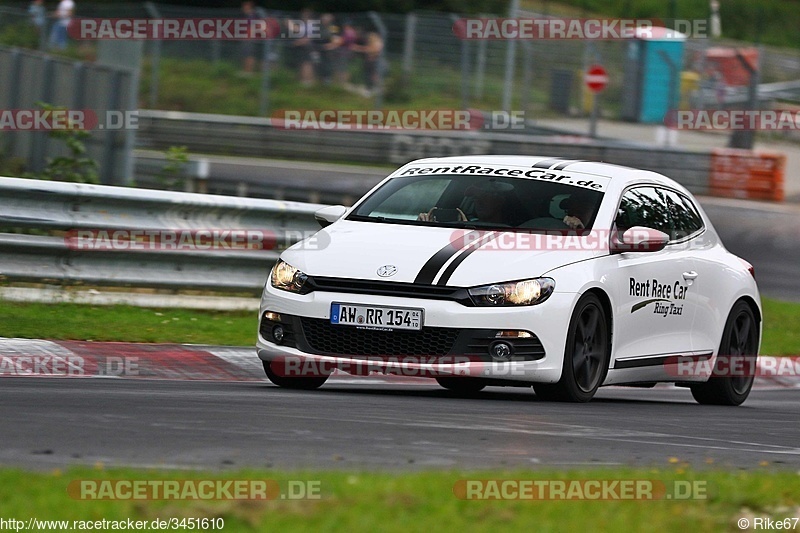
(387, 271)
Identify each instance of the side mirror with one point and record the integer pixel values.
(328, 215)
(639, 239)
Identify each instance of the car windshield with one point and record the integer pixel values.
(481, 202)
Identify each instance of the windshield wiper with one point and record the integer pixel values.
(367, 218)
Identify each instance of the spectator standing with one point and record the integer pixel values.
(329, 40)
(38, 14)
(304, 45)
(373, 53)
(343, 53)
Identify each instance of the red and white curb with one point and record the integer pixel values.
(181, 362)
(81, 359)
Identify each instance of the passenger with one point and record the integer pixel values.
(579, 208)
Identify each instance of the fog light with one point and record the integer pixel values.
(501, 350)
(278, 334)
(514, 334)
(272, 317)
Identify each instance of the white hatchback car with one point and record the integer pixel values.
(516, 271)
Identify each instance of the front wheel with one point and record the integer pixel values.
(294, 382)
(739, 350)
(586, 355)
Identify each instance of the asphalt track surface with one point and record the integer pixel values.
(369, 424)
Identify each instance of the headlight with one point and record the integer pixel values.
(525, 292)
(287, 278)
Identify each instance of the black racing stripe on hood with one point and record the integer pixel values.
(460, 259)
(429, 270)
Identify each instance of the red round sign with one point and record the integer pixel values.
(596, 78)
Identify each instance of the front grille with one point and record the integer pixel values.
(389, 288)
(324, 337)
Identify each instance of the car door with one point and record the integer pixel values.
(654, 304)
(709, 284)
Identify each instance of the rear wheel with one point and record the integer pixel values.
(294, 382)
(461, 385)
(586, 355)
(737, 351)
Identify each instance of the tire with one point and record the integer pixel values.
(462, 385)
(739, 338)
(289, 382)
(586, 355)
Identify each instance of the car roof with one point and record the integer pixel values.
(620, 176)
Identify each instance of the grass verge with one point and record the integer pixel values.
(414, 501)
(66, 321)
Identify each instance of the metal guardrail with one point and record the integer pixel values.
(258, 137)
(60, 207)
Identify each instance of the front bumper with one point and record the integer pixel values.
(454, 342)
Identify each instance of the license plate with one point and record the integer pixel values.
(376, 317)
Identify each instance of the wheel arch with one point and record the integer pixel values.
(605, 301)
(753, 306)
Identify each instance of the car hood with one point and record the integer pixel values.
(422, 254)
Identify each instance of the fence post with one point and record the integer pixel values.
(408, 43)
(263, 96)
(465, 68)
(40, 138)
(107, 170)
(155, 57)
(527, 59)
(14, 97)
(480, 69)
(511, 49)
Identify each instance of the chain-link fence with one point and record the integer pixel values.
(421, 63)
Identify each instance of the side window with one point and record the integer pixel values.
(661, 209)
(690, 220)
(644, 206)
(685, 219)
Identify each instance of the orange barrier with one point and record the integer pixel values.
(756, 175)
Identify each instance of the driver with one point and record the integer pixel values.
(491, 203)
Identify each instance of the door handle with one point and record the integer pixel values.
(689, 276)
